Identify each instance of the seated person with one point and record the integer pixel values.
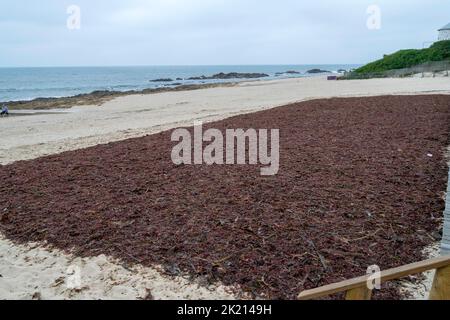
(5, 111)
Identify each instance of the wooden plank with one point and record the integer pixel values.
(387, 275)
(441, 285)
(362, 293)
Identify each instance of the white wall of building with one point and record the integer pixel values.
(444, 35)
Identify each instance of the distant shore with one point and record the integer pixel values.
(97, 98)
(19, 86)
(101, 96)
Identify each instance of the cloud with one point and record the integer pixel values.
(151, 32)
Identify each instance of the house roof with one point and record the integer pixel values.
(446, 27)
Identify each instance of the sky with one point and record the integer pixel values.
(213, 32)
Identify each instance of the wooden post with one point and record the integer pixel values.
(361, 293)
(441, 285)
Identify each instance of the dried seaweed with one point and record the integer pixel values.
(357, 186)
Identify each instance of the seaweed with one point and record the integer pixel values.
(360, 183)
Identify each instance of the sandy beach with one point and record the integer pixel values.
(32, 136)
(31, 272)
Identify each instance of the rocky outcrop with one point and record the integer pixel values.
(231, 75)
(287, 72)
(162, 80)
(198, 78)
(312, 71)
(101, 96)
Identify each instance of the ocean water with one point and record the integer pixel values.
(30, 83)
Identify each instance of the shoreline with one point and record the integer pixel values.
(25, 85)
(136, 115)
(100, 97)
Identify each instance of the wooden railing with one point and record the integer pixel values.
(357, 289)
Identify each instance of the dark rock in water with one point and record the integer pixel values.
(287, 72)
(179, 79)
(317, 71)
(235, 75)
(231, 75)
(198, 78)
(162, 80)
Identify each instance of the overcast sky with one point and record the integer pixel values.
(212, 32)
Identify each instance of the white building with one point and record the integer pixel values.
(444, 33)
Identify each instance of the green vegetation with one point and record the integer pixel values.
(408, 58)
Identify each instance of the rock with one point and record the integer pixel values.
(179, 79)
(198, 78)
(235, 75)
(317, 71)
(162, 80)
(231, 75)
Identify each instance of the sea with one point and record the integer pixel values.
(22, 84)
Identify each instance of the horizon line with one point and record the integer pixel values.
(179, 65)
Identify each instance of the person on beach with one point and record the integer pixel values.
(5, 111)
